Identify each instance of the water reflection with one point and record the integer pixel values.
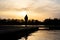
(45, 35)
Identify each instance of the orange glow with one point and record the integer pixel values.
(21, 15)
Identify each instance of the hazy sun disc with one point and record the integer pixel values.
(23, 13)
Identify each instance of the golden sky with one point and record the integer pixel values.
(35, 9)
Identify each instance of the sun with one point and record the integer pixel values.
(23, 13)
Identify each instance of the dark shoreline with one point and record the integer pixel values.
(15, 33)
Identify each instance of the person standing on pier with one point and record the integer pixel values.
(26, 19)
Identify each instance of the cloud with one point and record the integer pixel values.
(12, 4)
(44, 7)
(51, 7)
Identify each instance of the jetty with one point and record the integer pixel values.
(15, 32)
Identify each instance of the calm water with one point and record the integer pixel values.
(40, 34)
(44, 35)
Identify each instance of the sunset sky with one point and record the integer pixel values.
(35, 9)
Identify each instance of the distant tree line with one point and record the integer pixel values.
(30, 22)
(54, 21)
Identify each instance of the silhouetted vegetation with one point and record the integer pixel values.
(54, 21)
(17, 22)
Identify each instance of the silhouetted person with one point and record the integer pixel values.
(26, 19)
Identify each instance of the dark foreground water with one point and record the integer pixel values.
(44, 35)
